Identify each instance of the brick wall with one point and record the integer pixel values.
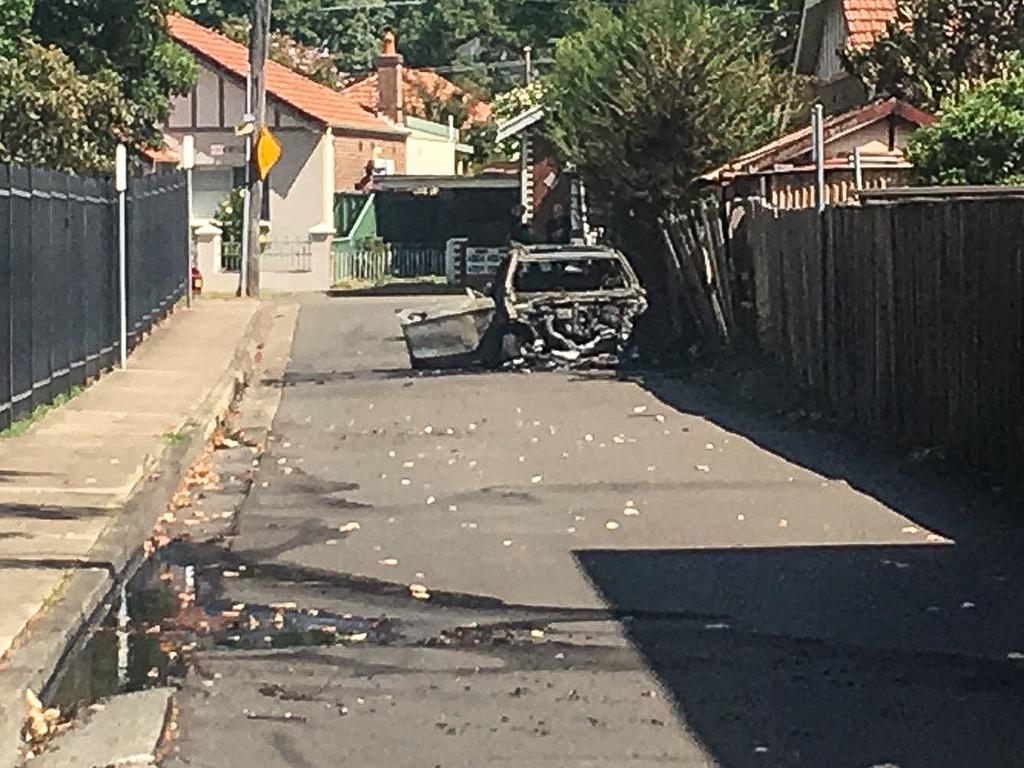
(352, 154)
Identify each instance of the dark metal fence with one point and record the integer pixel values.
(59, 316)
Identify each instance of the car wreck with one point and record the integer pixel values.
(548, 306)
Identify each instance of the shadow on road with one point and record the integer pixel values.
(860, 656)
(839, 656)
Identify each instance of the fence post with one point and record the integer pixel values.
(121, 185)
(818, 131)
(321, 266)
(188, 162)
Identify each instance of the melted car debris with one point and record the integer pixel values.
(549, 307)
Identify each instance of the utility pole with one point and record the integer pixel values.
(528, 64)
(259, 39)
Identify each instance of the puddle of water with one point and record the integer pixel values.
(174, 607)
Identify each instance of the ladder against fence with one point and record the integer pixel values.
(59, 296)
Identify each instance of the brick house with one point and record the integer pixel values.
(399, 94)
(330, 143)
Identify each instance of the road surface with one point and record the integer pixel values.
(574, 570)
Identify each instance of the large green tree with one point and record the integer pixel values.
(645, 99)
(934, 49)
(979, 137)
(80, 76)
(125, 39)
(51, 115)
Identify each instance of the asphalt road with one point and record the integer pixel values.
(616, 572)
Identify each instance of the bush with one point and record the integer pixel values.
(979, 137)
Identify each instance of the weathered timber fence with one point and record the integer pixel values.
(907, 317)
(59, 319)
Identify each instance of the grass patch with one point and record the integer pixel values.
(22, 425)
(174, 438)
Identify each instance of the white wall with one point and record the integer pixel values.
(426, 154)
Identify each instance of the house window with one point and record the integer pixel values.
(239, 181)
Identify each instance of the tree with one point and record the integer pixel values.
(126, 40)
(316, 63)
(14, 18)
(51, 115)
(979, 137)
(644, 100)
(935, 49)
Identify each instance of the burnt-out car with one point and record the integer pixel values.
(549, 305)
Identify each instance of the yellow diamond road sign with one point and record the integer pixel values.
(268, 152)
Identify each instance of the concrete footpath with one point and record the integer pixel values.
(81, 489)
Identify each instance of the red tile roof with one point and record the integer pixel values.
(866, 20)
(316, 101)
(793, 145)
(416, 83)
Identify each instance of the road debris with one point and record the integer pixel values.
(419, 591)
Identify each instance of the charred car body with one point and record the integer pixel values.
(548, 306)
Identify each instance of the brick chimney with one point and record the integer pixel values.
(389, 79)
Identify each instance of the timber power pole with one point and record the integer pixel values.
(259, 39)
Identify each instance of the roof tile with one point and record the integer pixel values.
(415, 84)
(322, 104)
(866, 20)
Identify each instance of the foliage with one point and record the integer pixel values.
(126, 40)
(979, 138)
(935, 49)
(229, 216)
(646, 100)
(316, 63)
(14, 18)
(52, 115)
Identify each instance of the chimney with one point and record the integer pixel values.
(389, 79)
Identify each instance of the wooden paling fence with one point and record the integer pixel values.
(697, 245)
(908, 317)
